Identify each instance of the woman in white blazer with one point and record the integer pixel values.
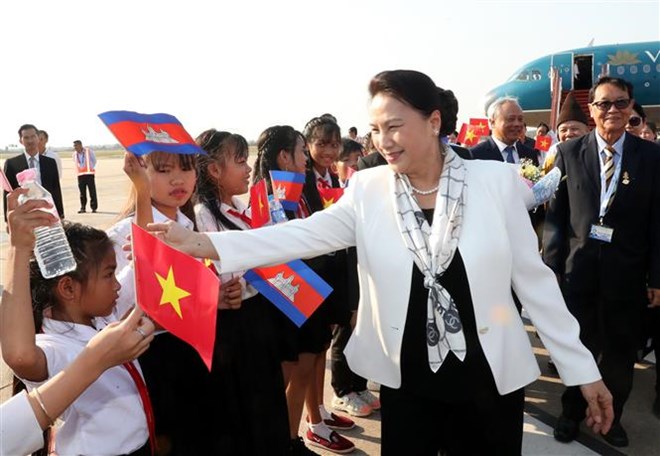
(441, 242)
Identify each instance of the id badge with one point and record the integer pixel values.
(601, 233)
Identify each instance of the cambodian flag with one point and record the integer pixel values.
(287, 187)
(293, 287)
(145, 133)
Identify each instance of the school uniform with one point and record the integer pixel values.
(176, 377)
(108, 417)
(247, 384)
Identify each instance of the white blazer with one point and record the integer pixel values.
(499, 250)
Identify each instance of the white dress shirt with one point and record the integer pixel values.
(501, 146)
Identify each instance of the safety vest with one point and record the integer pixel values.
(86, 168)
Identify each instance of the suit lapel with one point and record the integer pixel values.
(591, 165)
(629, 168)
(495, 151)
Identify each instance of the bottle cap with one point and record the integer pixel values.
(29, 175)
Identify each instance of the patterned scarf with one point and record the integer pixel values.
(433, 248)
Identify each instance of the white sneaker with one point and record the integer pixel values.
(351, 404)
(370, 399)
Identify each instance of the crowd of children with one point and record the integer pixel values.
(267, 373)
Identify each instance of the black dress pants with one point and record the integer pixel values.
(610, 329)
(87, 181)
(484, 424)
(344, 380)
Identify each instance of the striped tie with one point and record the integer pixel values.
(608, 165)
(33, 162)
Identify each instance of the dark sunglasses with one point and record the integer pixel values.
(606, 105)
(635, 121)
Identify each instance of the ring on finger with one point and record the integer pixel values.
(141, 332)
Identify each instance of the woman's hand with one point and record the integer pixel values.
(23, 219)
(194, 244)
(231, 294)
(599, 406)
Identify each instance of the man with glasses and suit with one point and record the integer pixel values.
(602, 239)
(46, 167)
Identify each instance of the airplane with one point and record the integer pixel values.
(638, 63)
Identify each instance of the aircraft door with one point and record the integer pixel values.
(583, 72)
(564, 62)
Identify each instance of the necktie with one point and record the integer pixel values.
(32, 162)
(146, 403)
(509, 154)
(608, 165)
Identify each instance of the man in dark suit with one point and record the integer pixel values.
(46, 167)
(602, 239)
(507, 125)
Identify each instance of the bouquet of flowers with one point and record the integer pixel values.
(542, 185)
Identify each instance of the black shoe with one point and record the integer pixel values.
(82, 211)
(656, 407)
(298, 448)
(93, 211)
(566, 429)
(617, 436)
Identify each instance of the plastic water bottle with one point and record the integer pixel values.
(277, 214)
(52, 249)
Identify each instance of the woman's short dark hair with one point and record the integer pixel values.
(639, 110)
(420, 92)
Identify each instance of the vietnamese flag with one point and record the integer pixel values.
(293, 287)
(330, 196)
(543, 142)
(468, 135)
(260, 210)
(177, 291)
(481, 126)
(287, 188)
(145, 133)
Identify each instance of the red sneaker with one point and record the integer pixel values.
(336, 444)
(340, 423)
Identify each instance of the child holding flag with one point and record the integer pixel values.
(161, 163)
(46, 323)
(247, 374)
(281, 148)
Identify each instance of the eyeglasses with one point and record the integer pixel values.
(606, 105)
(635, 121)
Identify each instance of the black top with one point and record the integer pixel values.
(455, 380)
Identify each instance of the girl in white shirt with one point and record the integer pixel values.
(177, 379)
(46, 323)
(246, 374)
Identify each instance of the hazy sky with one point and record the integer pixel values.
(244, 65)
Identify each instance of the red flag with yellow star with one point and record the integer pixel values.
(481, 126)
(176, 291)
(330, 196)
(468, 135)
(260, 211)
(543, 143)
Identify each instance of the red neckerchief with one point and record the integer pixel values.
(146, 403)
(320, 182)
(239, 215)
(303, 208)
